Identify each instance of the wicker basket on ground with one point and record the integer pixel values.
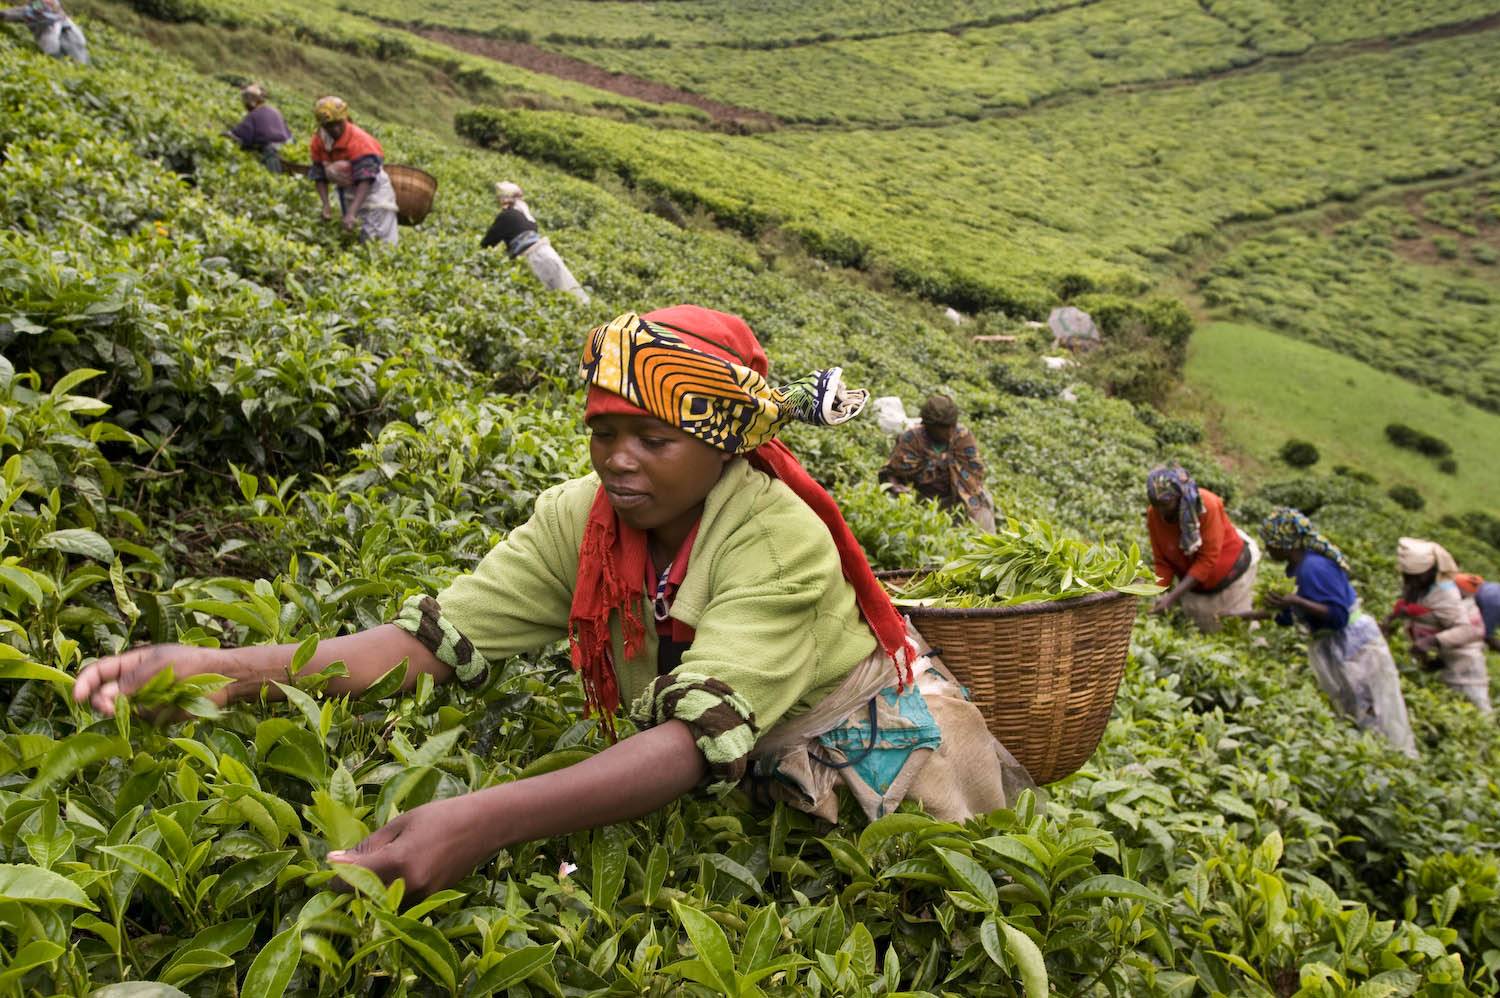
(1044, 675)
(414, 189)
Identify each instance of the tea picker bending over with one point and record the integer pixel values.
(1441, 619)
(1207, 565)
(54, 31)
(262, 130)
(353, 160)
(1349, 657)
(939, 459)
(516, 227)
(701, 576)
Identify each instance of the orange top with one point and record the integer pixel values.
(1215, 557)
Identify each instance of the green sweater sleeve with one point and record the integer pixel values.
(517, 598)
(778, 631)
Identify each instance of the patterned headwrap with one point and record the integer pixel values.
(704, 372)
(724, 404)
(330, 109)
(1291, 530)
(1172, 480)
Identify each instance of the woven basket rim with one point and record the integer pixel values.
(1018, 610)
(402, 167)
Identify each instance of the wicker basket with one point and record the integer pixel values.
(1044, 675)
(293, 168)
(414, 192)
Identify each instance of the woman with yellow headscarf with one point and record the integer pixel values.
(701, 577)
(351, 158)
(1440, 619)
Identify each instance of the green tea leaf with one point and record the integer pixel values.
(33, 885)
(274, 966)
(79, 541)
(513, 968)
(710, 943)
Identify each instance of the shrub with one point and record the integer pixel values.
(176, 11)
(1413, 439)
(1407, 497)
(1484, 254)
(1354, 473)
(1448, 466)
(1446, 246)
(1299, 453)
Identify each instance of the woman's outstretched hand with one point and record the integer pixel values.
(106, 678)
(431, 847)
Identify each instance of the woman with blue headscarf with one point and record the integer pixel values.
(1349, 656)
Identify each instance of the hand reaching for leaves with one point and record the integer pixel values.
(430, 848)
(106, 678)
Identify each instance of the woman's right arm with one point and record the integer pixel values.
(368, 655)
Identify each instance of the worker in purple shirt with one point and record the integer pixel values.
(54, 31)
(262, 130)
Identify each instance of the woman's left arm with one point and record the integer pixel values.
(1316, 613)
(438, 844)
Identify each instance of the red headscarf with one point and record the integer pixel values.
(612, 559)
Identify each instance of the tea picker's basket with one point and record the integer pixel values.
(414, 189)
(1044, 675)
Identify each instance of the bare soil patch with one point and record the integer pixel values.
(565, 67)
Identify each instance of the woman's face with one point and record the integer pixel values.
(938, 433)
(655, 475)
(1417, 585)
(1166, 507)
(335, 129)
(1281, 553)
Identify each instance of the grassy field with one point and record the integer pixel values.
(1411, 289)
(1262, 388)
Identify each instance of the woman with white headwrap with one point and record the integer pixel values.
(1440, 618)
(516, 227)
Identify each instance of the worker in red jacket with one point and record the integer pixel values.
(1207, 564)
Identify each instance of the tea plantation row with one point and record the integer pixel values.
(1016, 213)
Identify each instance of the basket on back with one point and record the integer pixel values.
(414, 189)
(1044, 675)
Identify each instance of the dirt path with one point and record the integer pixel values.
(540, 60)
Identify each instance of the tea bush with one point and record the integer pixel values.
(221, 425)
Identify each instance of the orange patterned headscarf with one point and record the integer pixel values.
(726, 405)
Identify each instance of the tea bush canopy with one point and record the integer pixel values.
(220, 424)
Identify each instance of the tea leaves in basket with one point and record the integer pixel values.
(1028, 561)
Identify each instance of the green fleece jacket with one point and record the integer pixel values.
(776, 624)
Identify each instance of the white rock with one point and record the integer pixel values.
(890, 415)
(1057, 363)
(1067, 395)
(953, 315)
